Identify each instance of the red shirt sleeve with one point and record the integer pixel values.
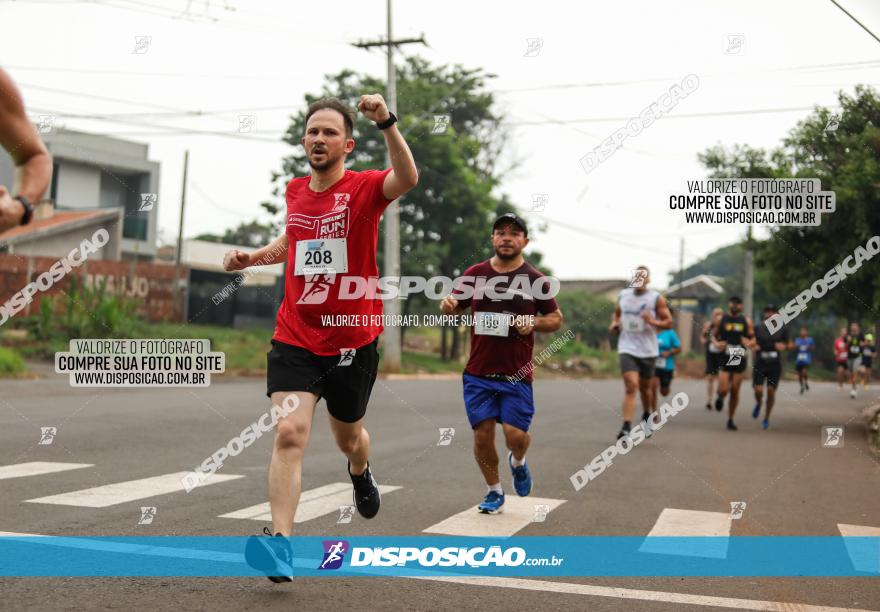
(373, 182)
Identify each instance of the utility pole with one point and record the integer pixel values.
(182, 287)
(748, 277)
(680, 272)
(392, 213)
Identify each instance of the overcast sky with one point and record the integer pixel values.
(260, 57)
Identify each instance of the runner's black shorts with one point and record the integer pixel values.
(734, 369)
(344, 381)
(665, 377)
(713, 362)
(769, 371)
(867, 361)
(643, 365)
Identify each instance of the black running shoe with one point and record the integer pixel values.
(708, 406)
(719, 404)
(731, 425)
(270, 554)
(366, 493)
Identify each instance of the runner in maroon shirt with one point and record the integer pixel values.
(331, 234)
(515, 301)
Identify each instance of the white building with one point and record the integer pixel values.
(94, 173)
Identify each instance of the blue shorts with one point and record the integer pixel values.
(499, 399)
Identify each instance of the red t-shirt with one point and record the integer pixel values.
(504, 355)
(349, 209)
(840, 350)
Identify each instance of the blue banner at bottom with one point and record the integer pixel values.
(438, 556)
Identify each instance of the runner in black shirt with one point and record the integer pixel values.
(768, 362)
(733, 333)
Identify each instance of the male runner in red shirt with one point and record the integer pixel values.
(498, 375)
(332, 232)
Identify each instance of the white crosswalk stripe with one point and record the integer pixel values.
(127, 491)
(674, 522)
(518, 513)
(312, 503)
(38, 468)
(863, 554)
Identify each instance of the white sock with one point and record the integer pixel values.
(517, 462)
(497, 488)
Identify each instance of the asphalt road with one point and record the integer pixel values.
(791, 483)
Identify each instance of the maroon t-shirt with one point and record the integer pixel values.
(507, 354)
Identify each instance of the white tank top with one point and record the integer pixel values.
(637, 338)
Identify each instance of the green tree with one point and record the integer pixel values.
(251, 234)
(847, 161)
(588, 315)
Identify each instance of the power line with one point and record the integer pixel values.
(132, 73)
(567, 225)
(169, 129)
(672, 116)
(848, 14)
(867, 64)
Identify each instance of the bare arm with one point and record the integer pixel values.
(34, 164)
(615, 321)
(549, 322)
(751, 340)
(404, 175)
(273, 253)
(664, 317)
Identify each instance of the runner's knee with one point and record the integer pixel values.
(348, 444)
(484, 434)
(291, 434)
(514, 438)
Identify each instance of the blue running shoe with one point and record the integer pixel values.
(271, 555)
(522, 478)
(757, 411)
(492, 504)
(765, 424)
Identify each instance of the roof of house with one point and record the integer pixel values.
(61, 221)
(700, 286)
(594, 286)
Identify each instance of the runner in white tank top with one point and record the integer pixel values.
(639, 314)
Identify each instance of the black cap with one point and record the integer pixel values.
(511, 218)
(770, 308)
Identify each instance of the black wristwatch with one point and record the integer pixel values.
(28, 209)
(388, 122)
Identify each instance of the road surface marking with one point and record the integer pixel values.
(518, 512)
(37, 468)
(673, 522)
(312, 503)
(121, 547)
(127, 491)
(661, 596)
(505, 583)
(863, 554)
